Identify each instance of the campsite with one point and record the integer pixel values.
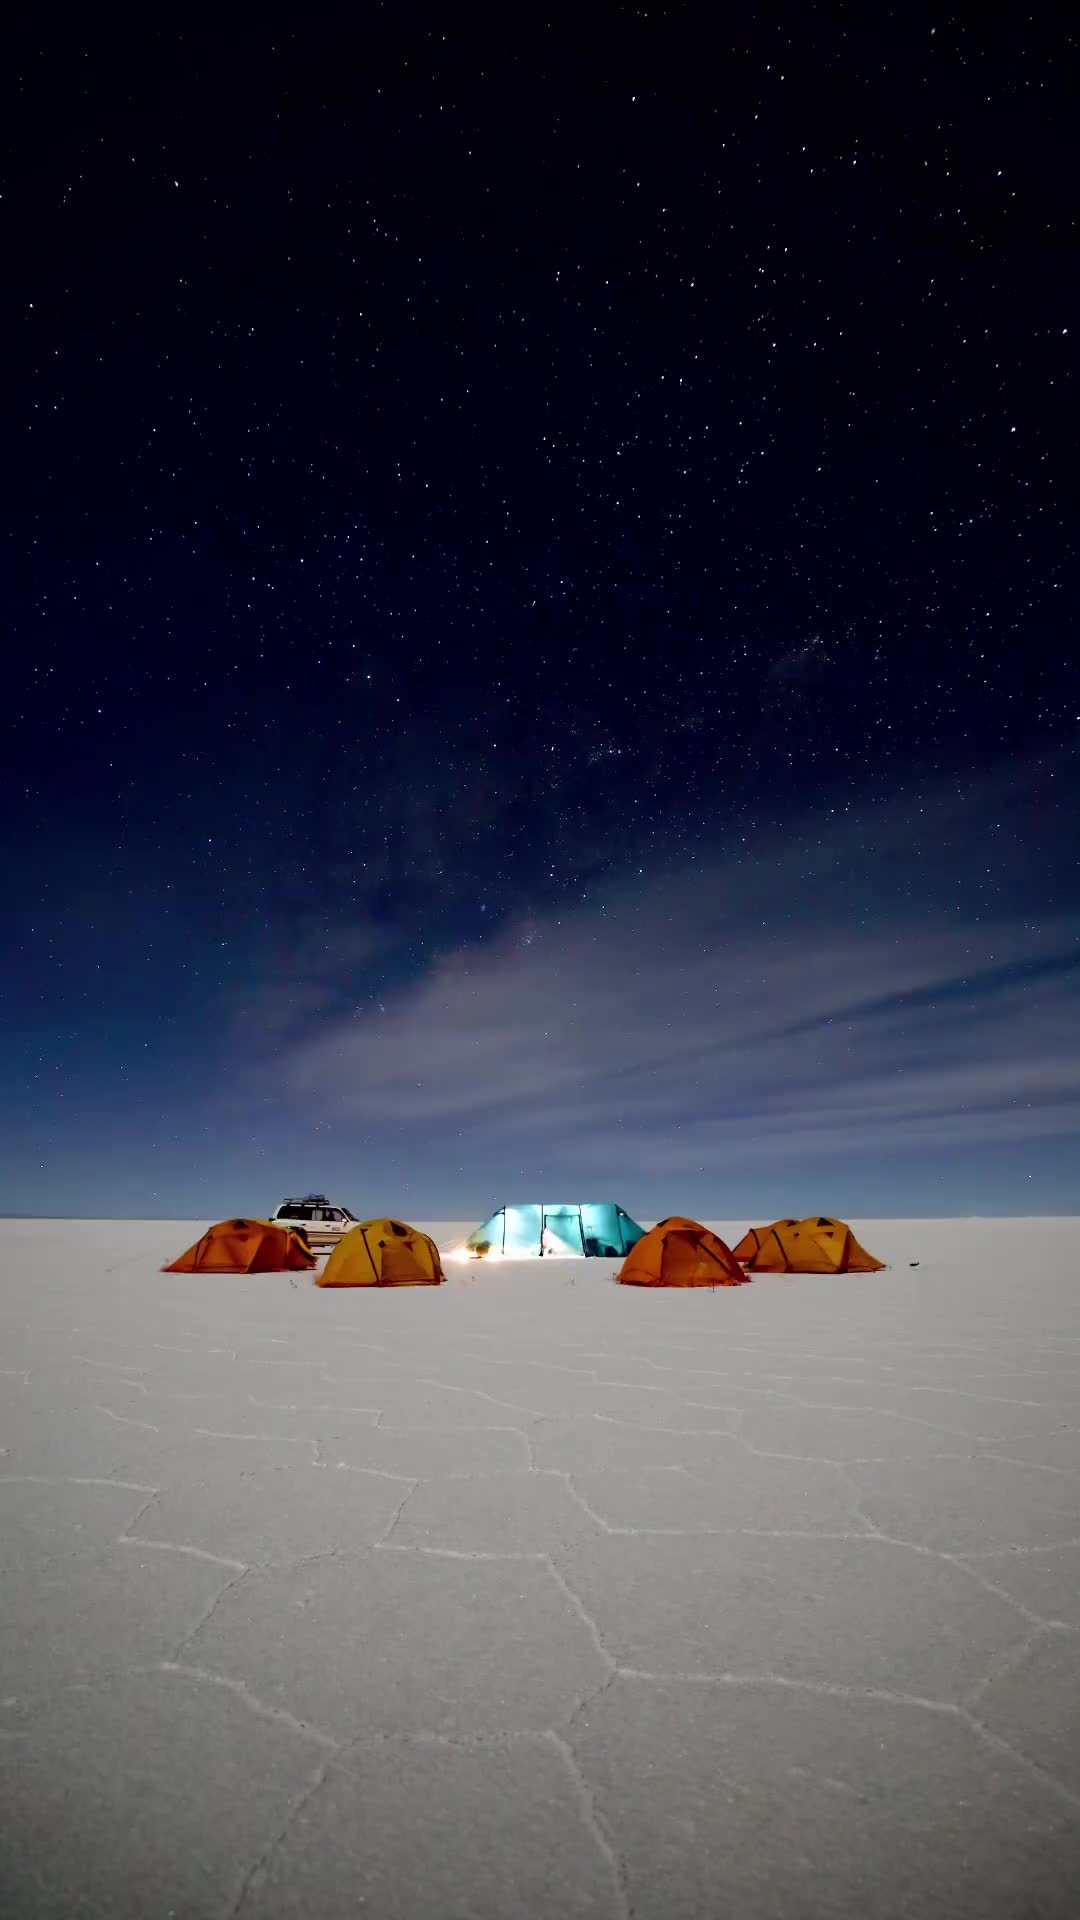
(676, 1252)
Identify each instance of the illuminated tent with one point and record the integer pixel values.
(588, 1227)
(814, 1245)
(681, 1253)
(246, 1246)
(383, 1253)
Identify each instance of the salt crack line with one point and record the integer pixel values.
(1009, 1661)
(435, 1433)
(109, 1366)
(278, 1716)
(385, 1537)
(256, 1874)
(594, 1823)
(493, 1740)
(70, 1480)
(1010, 1460)
(136, 1386)
(144, 1507)
(179, 1546)
(844, 1406)
(296, 1406)
(672, 1393)
(996, 1399)
(580, 1500)
(478, 1393)
(588, 1374)
(684, 1433)
(703, 1532)
(999, 1744)
(824, 1689)
(764, 1352)
(574, 1600)
(456, 1553)
(194, 1352)
(227, 1586)
(315, 1559)
(375, 1473)
(356, 1345)
(122, 1420)
(588, 1702)
(1005, 1553)
(956, 1560)
(265, 1439)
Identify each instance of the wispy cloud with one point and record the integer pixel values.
(827, 993)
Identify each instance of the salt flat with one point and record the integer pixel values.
(532, 1594)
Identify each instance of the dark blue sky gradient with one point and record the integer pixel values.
(542, 575)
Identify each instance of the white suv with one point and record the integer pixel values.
(319, 1222)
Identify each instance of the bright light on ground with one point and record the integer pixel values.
(461, 1254)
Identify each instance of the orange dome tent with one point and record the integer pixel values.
(681, 1253)
(245, 1246)
(754, 1238)
(383, 1253)
(814, 1245)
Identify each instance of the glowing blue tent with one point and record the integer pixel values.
(587, 1227)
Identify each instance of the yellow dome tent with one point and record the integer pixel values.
(245, 1246)
(681, 1253)
(814, 1245)
(383, 1253)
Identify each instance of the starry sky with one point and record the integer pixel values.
(541, 575)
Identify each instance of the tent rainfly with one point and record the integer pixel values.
(245, 1246)
(678, 1252)
(540, 1229)
(383, 1253)
(818, 1244)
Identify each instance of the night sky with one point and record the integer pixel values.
(540, 565)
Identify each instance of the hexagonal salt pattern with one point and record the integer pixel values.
(756, 1798)
(431, 1829)
(532, 1594)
